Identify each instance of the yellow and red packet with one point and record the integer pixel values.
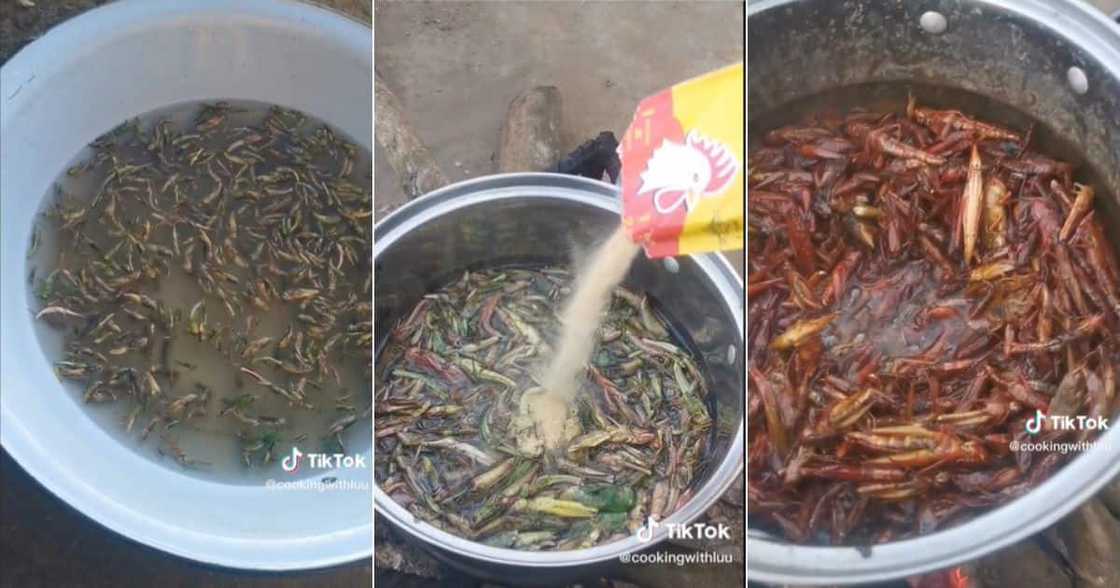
(683, 169)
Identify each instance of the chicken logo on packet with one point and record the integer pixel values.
(682, 167)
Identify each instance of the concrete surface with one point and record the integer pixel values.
(1109, 6)
(456, 66)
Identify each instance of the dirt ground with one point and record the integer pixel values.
(20, 24)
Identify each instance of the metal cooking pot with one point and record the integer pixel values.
(543, 218)
(1053, 62)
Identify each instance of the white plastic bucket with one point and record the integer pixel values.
(80, 80)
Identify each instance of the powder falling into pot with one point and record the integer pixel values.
(580, 319)
(682, 192)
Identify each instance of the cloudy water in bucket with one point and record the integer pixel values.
(208, 301)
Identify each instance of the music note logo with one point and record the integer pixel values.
(291, 463)
(645, 534)
(1034, 424)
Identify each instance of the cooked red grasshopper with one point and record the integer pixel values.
(920, 284)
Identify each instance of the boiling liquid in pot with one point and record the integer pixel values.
(884, 321)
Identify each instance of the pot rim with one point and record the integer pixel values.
(779, 562)
(587, 192)
(266, 547)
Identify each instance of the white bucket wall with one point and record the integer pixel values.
(80, 80)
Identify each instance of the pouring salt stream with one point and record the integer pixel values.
(504, 422)
(580, 320)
